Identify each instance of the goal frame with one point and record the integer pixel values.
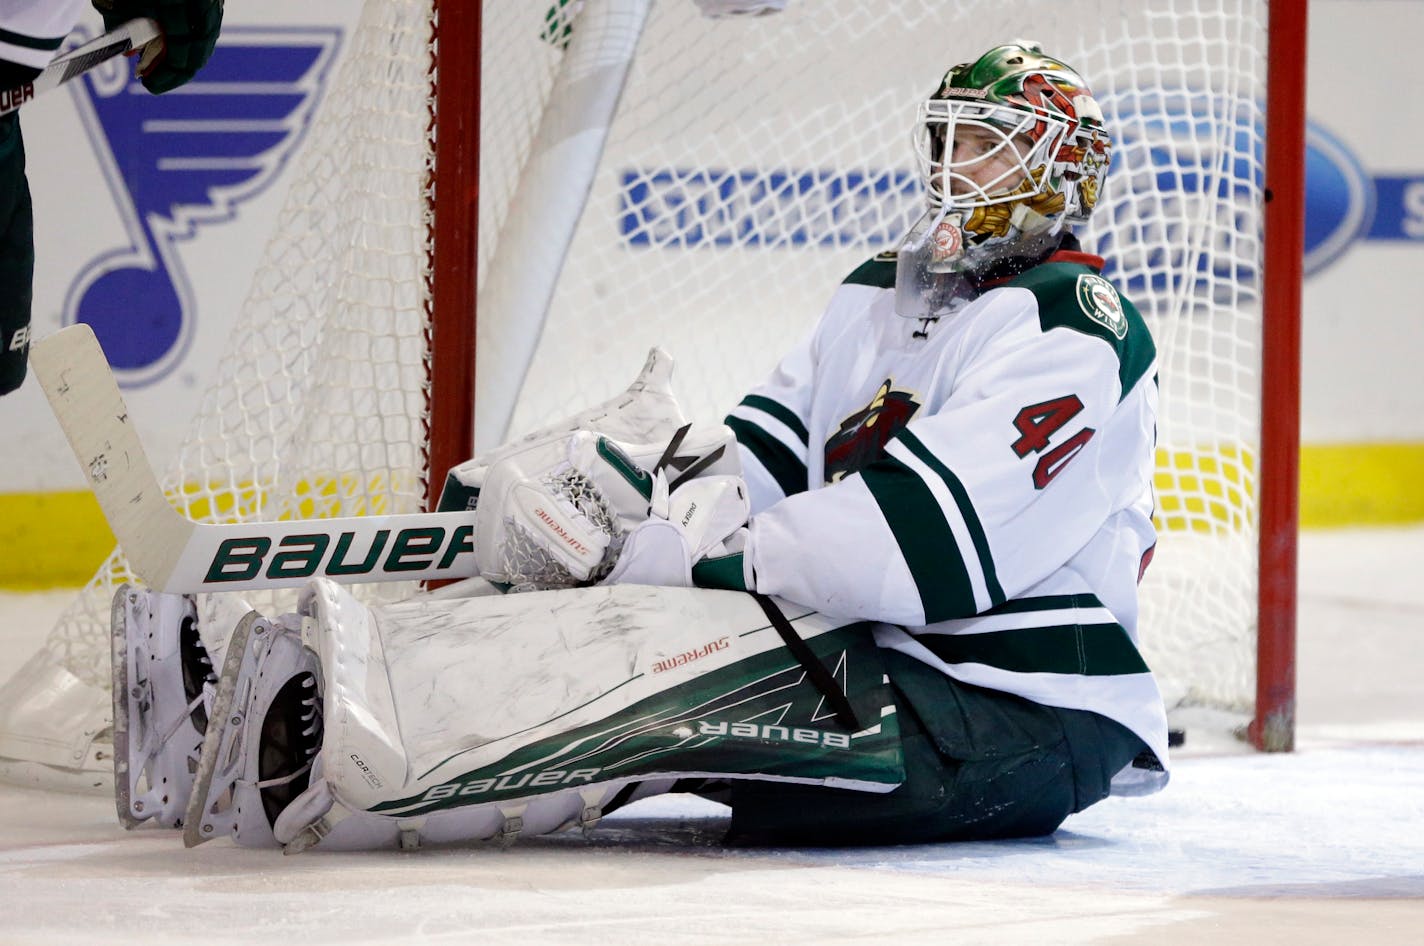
(1273, 727)
(447, 242)
(455, 195)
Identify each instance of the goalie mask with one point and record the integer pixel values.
(1010, 148)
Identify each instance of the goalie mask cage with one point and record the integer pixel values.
(751, 163)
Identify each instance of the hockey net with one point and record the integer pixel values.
(753, 162)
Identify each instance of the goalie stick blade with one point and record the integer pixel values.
(75, 377)
(174, 554)
(125, 39)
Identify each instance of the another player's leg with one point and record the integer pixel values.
(17, 255)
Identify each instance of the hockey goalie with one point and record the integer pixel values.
(892, 599)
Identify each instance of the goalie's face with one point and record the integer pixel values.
(1010, 148)
(982, 163)
(990, 158)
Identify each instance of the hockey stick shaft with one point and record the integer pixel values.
(125, 39)
(169, 552)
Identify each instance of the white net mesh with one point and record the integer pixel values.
(752, 165)
(320, 409)
(755, 163)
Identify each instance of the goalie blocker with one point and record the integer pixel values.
(530, 713)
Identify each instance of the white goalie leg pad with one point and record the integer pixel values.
(163, 686)
(266, 658)
(316, 817)
(496, 717)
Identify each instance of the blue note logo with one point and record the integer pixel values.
(178, 163)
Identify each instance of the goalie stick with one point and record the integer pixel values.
(125, 39)
(171, 553)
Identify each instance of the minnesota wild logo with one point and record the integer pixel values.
(1099, 301)
(861, 437)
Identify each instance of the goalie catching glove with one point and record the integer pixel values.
(555, 513)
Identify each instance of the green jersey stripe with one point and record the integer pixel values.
(30, 42)
(925, 539)
(785, 467)
(877, 272)
(1091, 650)
(1045, 603)
(780, 412)
(966, 510)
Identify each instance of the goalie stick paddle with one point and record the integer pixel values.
(171, 553)
(125, 39)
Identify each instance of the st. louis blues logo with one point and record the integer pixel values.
(181, 161)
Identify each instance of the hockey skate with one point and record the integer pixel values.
(257, 755)
(163, 690)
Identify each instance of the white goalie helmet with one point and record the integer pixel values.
(1010, 148)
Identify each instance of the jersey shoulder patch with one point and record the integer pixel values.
(1078, 298)
(877, 272)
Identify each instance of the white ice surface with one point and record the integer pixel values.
(1325, 845)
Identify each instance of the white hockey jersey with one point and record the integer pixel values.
(31, 31)
(981, 484)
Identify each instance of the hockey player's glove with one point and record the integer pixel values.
(551, 510)
(552, 514)
(695, 535)
(190, 31)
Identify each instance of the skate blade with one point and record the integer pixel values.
(119, 670)
(204, 820)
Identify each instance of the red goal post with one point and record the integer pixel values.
(1258, 480)
(1272, 727)
(454, 214)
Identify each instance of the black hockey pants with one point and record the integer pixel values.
(17, 255)
(979, 765)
